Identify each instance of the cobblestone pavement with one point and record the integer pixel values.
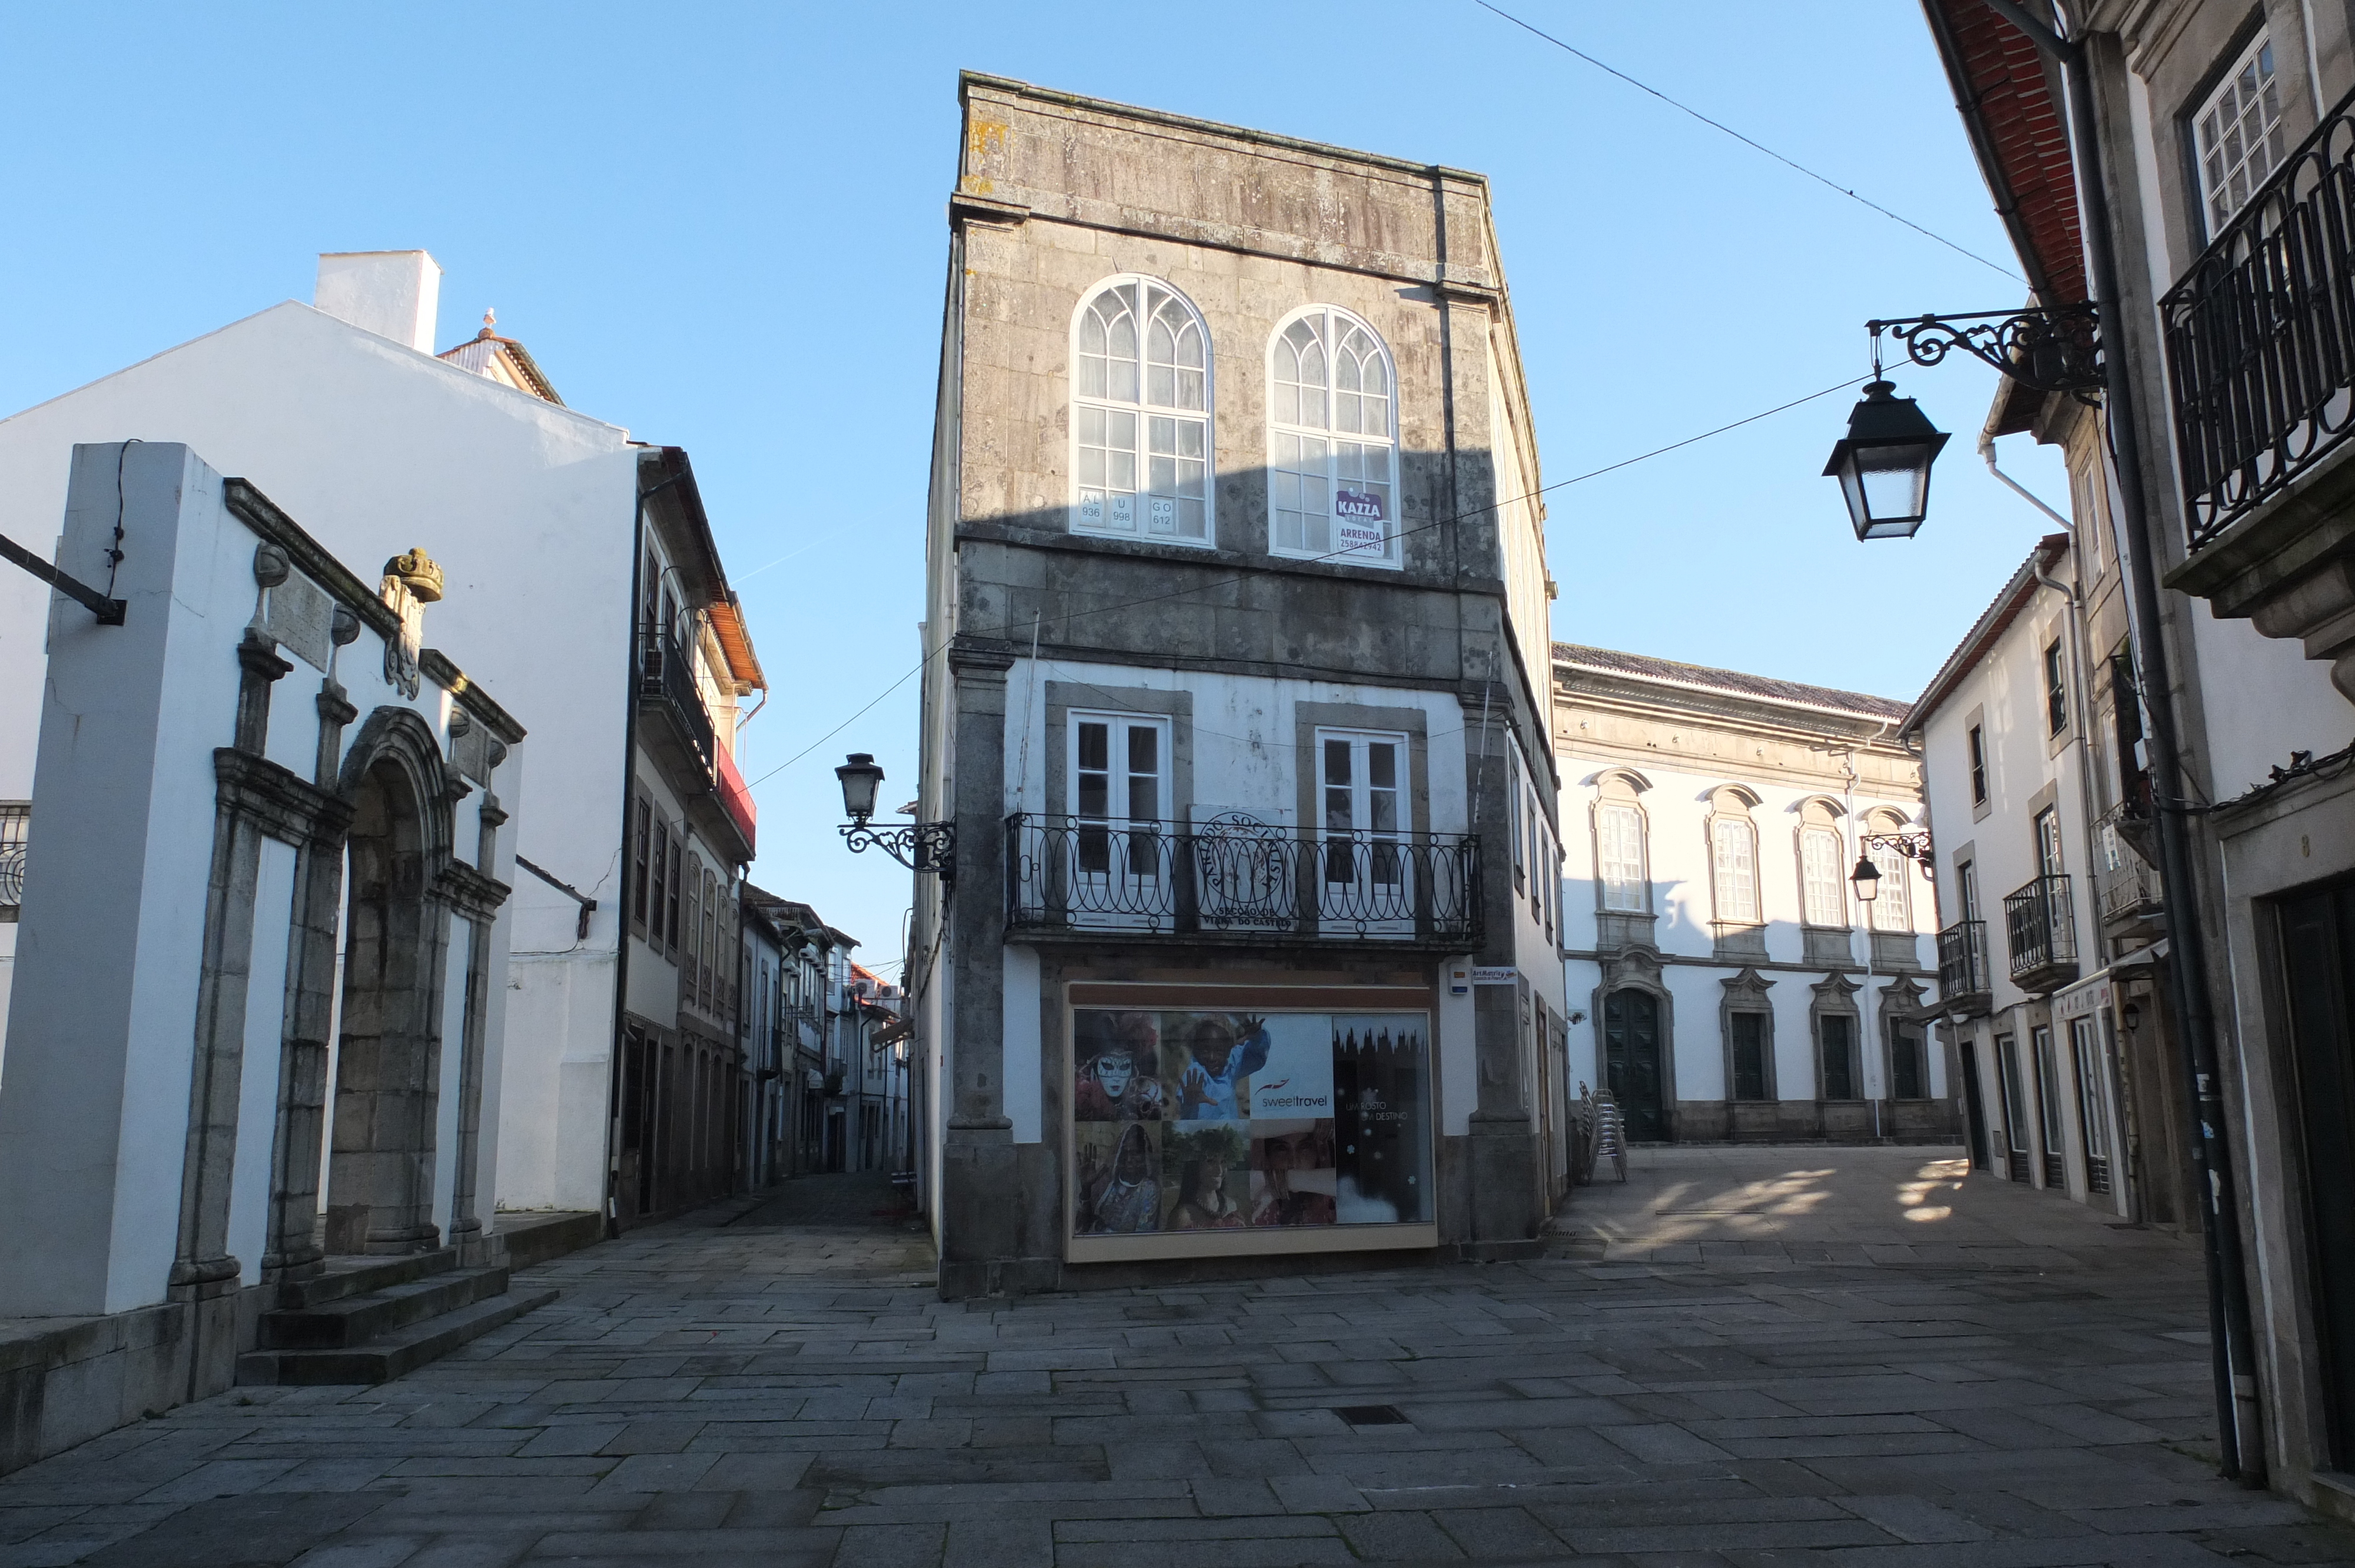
(1761, 1356)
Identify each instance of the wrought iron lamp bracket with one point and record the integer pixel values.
(920, 846)
(1913, 844)
(2057, 350)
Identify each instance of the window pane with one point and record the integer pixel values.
(1095, 746)
(1144, 749)
(1820, 862)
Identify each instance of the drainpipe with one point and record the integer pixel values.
(2240, 1431)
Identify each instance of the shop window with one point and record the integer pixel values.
(1187, 1124)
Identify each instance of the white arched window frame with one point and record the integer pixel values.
(1733, 857)
(1892, 903)
(1332, 439)
(1141, 408)
(1823, 866)
(1622, 875)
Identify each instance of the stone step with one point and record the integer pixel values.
(401, 1351)
(357, 1275)
(353, 1320)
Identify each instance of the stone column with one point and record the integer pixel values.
(979, 1204)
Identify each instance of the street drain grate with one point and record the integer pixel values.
(1372, 1415)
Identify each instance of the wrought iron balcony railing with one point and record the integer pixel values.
(1237, 877)
(2126, 882)
(2260, 335)
(15, 824)
(2040, 928)
(1963, 983)
(666, 676)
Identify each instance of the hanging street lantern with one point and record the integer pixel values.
(859, 777)
(1867, 878)
(919, 846)
(1883, 464)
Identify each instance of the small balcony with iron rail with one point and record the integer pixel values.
(1236, 882)
(1964, 985)
(2040, 928)
(2123, 876)
(2260, 338)
(676, 723)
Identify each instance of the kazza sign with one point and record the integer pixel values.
(1360, 514)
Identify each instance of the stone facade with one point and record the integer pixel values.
(1246, 648)
(1732, 988)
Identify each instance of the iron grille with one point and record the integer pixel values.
(1236, 876)
(2038, 927)
(666, 676)
(15, 820)
(1963, 961)
(2261, 335)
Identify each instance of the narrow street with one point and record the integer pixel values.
(1741, 1356)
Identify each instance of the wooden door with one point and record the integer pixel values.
(1631, 1046)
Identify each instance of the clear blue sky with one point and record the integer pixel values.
(722, 226)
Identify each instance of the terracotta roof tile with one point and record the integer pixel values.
(1731, 682)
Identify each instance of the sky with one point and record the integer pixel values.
(724, 228)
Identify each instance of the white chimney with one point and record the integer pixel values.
(392, 293)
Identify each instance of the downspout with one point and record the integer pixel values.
(2237, 1412)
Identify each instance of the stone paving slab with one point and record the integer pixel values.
(1740, 1357)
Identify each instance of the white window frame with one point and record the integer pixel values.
(1336, 323)
(1719, 873)
(1822, 838)
(1117, 821)
(2226, 180)
(1892, 904)
(1640, 885)
(1140, 524)
(1370, 893)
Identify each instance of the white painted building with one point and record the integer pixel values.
(582, 574)
(2051, 941)
(1731, 986)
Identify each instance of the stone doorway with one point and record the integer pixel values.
(380, 1166)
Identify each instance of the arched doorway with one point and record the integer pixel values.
(1631, 1062)
(380, 1196)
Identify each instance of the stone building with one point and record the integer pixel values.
(1237, 606)
(582, 574)
(1733, 986)
(2180, 167)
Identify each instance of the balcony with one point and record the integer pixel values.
(1963, 983)
(2124, 879)
(15, 824)
(2259, 335)
(1237, 881)
(677, 726)
(2039, 928)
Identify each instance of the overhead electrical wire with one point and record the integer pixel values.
(1070, 616)
(1757, 146)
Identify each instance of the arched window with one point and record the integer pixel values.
(1619, 859)
(1733, 856)
(1141, 413)
(1332, 439)
(1823, 871)
(1893, 904)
